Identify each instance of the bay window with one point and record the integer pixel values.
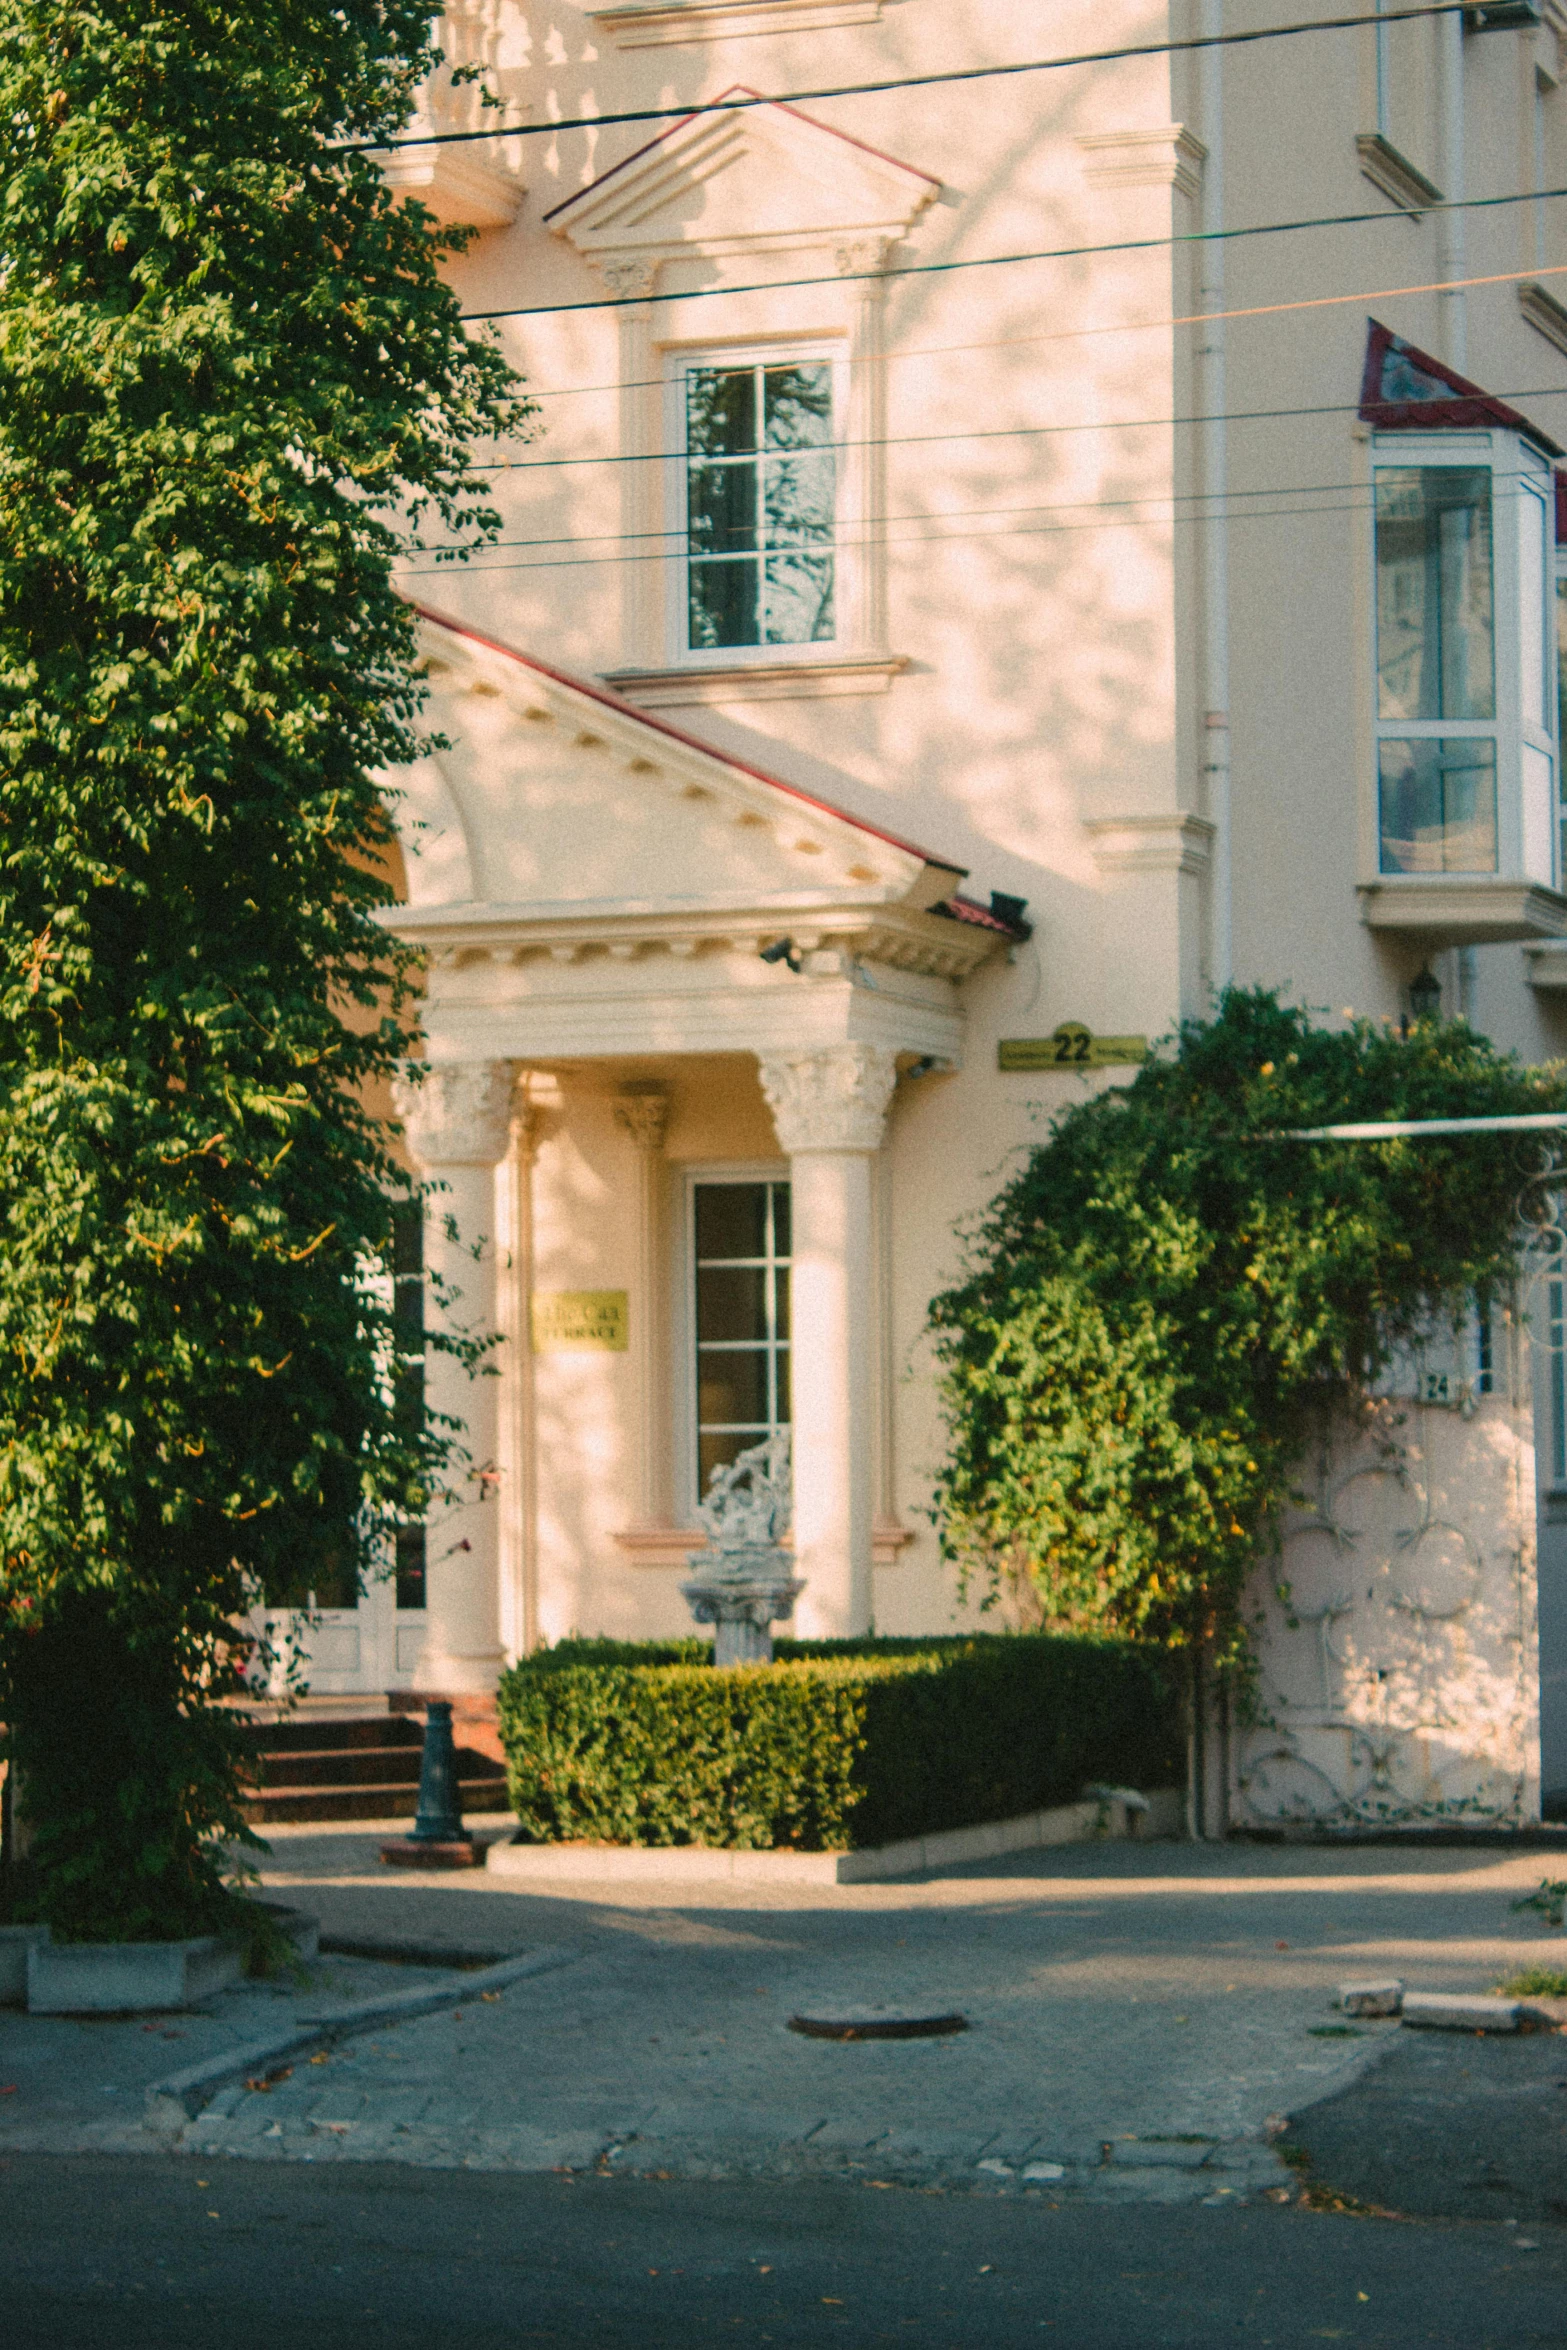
(1466, 722)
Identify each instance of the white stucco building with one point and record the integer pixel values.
(956, 593)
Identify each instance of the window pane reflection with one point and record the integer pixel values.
(1438, 806)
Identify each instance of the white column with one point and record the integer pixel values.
(829, 1107)
(642, 1111)
(457, 1122)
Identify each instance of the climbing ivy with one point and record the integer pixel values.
(1170, 1300)
(234, 390)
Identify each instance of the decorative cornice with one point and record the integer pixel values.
(1167, 155)
(901, 937)
(454, 184)
(758, 681)
(456, 1113)
(1172, 843)
(1544, 312)
(1395, 175)
(645, 27)
(642, 1111)
(832, 1100)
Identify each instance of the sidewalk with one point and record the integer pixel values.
(1137, 2014)
(1158, 2002)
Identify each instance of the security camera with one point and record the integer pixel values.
(782, 950)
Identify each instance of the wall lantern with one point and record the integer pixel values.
(1425, 995)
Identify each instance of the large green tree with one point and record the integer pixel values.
(233, 388)
(1172, 1300)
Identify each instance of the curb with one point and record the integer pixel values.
(1108, 1817)
(177, 2099)
(406, 1950)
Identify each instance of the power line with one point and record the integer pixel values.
(1272, 228)
(913, 81)
(1063, 334)
(1095, 511)
(671, 541)
(999, 432)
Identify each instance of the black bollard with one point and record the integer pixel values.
(438, 1838)
(439, 1818)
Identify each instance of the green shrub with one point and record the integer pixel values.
(836, 1744)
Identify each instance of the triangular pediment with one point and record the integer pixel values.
(555, 803)
(761, 178)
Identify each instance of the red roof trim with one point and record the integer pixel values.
(738, 90)
(692, 742)
(1469, 408)
(961, 909)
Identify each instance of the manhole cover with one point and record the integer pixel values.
(875, 2023)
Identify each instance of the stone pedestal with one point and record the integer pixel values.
(742, 1596)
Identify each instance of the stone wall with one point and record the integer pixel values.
(1396, 1632)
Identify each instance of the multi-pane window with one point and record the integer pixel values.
(761, 504)
(408, 1394)
(1465, 709)
(742, 1318)
(1436, 660)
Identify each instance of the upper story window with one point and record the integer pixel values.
(1465, 687)
(758, 497)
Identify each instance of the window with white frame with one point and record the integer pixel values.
(757, 494)
(1466, 718)
(741, 1319)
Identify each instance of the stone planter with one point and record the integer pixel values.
(127, 1978)
(130, 1978)
(15, 1943)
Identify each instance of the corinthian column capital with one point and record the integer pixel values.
(456, 1113)
(642, 1111)
(831, 1099)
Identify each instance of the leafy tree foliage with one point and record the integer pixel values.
(232, 386)
(1170, 1299)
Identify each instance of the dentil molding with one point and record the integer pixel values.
(832, 1100)
(456, 1113)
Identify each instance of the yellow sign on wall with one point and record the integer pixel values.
(1071, 1046)
(580, 1321)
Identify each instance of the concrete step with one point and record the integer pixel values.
(305, 1733)
(395, 1800)
(345, 1766)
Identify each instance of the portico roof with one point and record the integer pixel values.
(586, 877)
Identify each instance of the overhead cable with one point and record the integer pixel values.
(742, 104)
(1269, 228)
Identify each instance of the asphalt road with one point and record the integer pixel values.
(113, 2253)
(1452, 2125)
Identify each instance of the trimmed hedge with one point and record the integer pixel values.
(835, 1744)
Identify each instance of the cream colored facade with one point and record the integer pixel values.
(1103, 639)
